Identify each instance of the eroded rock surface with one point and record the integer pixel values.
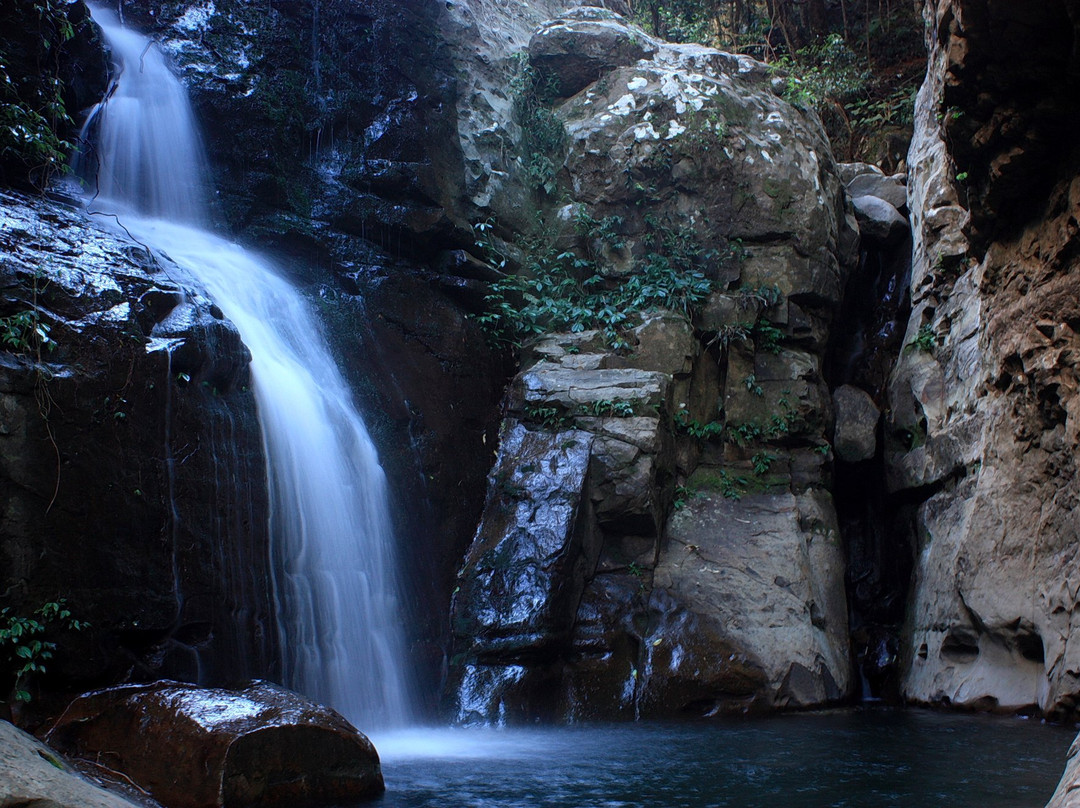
(1067, 793)
(115, 437)
(31, 774)
(982, 426)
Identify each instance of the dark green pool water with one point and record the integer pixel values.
(860, 758)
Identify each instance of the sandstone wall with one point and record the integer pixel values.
(983, 419)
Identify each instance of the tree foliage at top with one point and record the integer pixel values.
(857, 61)
(33, 114)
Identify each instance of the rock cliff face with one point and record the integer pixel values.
(332, 134)
(658, 533)
(360, 145)
(132, 479)
(659, 536)
(983, 427)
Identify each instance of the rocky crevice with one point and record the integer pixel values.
(863, 348)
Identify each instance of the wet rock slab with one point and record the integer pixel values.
(192, 747)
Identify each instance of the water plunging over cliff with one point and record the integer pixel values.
(338, 604)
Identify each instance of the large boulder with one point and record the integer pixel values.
(583, 44)
(880, 223)
(891, 189)
(857, 418)
(523, 576)
(675, 157)
(757, 585)
(32, 774)
(191, 747)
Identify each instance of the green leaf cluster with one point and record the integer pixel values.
(32, 111)
(25, 332)
(565, 291)
(782, 422)
(607, 407)
(686, 425)
(24, 649)
(926, 339)
(548, 416)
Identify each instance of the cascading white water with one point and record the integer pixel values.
(339, 607)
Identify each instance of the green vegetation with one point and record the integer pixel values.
(782, 423)
(759, 328)
(925, 340)
(550, 416)
(686, 425)
(766, 337)
(762, 462)
(605, 406)
(827, 71)
(857, 63)
(25, 647)
(543, 136)
(25, 332)
(731, 486)
(563, 290)
(32, 111)
(752, 386)
(832, 78)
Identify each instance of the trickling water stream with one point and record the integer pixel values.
(339, 607)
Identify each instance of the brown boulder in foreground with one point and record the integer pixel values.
(193, 747)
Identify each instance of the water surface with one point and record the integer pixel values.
(860, 758)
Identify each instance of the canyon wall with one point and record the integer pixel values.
(982, 425)
(133, 479)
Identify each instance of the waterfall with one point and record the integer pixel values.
(338, 601)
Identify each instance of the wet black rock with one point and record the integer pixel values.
(117, 436)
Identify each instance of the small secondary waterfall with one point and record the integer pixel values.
(339, 607)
